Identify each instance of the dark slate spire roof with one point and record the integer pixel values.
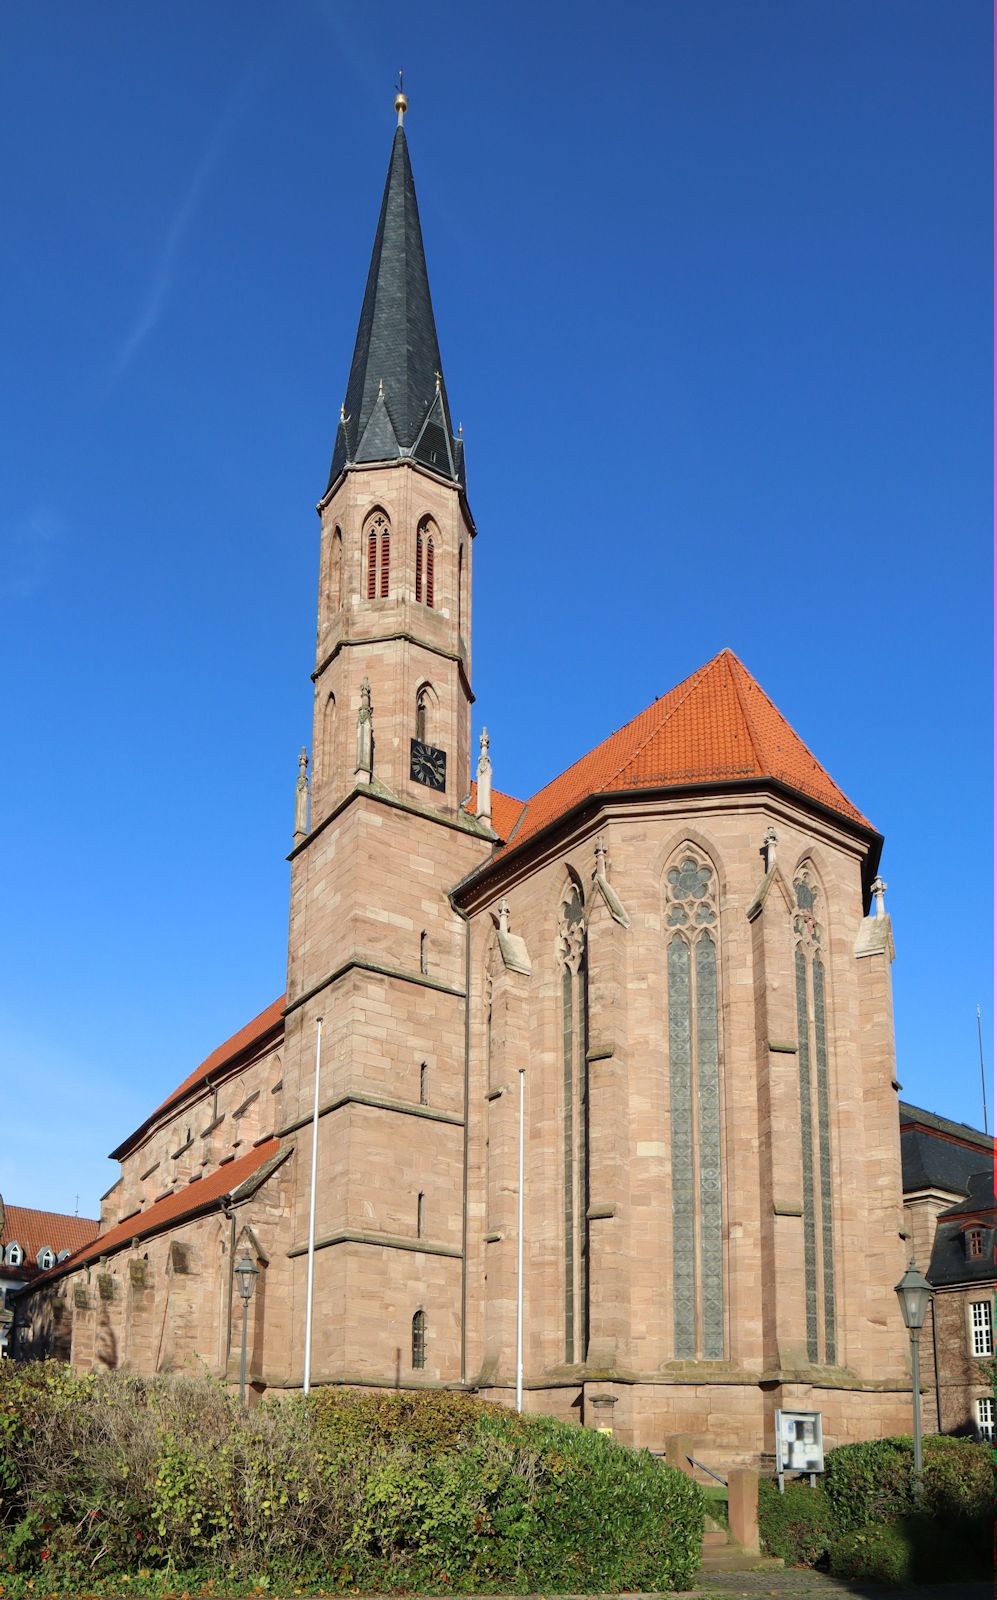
(396, 401)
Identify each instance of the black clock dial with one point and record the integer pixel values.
(428, 765)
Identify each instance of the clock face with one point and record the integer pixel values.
(429, 765)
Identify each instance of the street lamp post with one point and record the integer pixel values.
(914, 1293)
(246, 1273)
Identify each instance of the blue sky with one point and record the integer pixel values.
(713, 286)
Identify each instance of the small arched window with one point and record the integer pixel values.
(336, 570)
(422, 714)
(13, 1255)
(46, 1257)
(418, 1340)
(460, 589)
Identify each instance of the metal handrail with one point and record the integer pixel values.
(704, 1468)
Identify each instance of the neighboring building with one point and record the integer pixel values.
(681, 942)
(31, 1242)
(948, 1171)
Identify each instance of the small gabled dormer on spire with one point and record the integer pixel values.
(396, 400)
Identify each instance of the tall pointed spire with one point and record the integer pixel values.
(396, 401)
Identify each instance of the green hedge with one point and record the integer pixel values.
(862, 1519)
(105, 1476)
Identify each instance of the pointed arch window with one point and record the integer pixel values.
(422, 714)
(419, 541)
(691, 923)
(426, 540)
(336, 570)
(815, 1119)
(460, 589)
(377, 542)
(572, 952)
(419, 1341)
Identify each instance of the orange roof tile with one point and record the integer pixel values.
(505, 810)
(716, 726)
(33, 1230)
(173, 1208)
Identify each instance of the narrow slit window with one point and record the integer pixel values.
(420, 1216)
(460, 590)
(424, 952)
(418, 566)
(424, 1085)
(419, 1341)
(422, 715)
(430, 573)
(372, 565)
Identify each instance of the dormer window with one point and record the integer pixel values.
(14, 1255)
(46, 1257)
(974, 1244)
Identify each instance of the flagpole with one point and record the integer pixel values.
(983, 1073)
(519, 1253)
(310, 1279)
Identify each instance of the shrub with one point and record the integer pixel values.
(874, 1482)
(110, 1474)
(914, 1549)
(879, 1553)
(798, 1525)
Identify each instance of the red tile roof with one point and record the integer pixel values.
(716, 726)
(506, 811)
(33, 1230)
(173, 1208)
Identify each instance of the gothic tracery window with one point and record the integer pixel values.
(815, 1119)
(571, 950)
(691, 924)
(378, 546)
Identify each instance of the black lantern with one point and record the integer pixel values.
(246, 1273)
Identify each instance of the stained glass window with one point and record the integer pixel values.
(815, 1121)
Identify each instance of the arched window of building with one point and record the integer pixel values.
(691, 924)
(460, 589)
(14, 1255)
(419, 1340)
(377, 541)
(426, 541)
(815, 1118)
(336, 570)
(571, 954)
(421, 714)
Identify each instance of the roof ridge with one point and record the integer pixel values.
(752, 740)
(692, 682)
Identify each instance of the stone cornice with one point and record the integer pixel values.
(405, 1108)
(358, 964)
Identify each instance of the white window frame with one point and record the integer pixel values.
(981, 1328)
(14, 1254)
(985, 1419)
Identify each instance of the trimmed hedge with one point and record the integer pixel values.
(863, 1521)
(105, 1476)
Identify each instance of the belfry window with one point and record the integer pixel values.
(422, 714)
(425, 562)
(377, 539)
(336, 571)
(815, 1120)
(571, 951)
(691, 921)
(419, 1340)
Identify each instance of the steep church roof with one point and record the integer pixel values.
(717, 726)
(396, 401)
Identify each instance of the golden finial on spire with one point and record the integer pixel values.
(401, 99)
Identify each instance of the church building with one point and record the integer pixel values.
(676, 952)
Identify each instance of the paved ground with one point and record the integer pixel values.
(801, 1584)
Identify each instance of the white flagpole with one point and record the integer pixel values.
(310, 1281)
(519, 1253)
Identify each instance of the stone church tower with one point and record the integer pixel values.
(377, 950)
(677, 952)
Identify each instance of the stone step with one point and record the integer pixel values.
(715, 1536)
(732, 1558)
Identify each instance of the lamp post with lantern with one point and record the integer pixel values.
(246, 1274)
(914, 1293)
